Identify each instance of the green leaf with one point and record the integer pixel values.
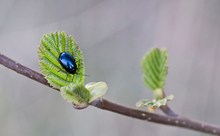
(51, 45)
(154, 68)
(154, 103)
(76, 94)
(96, 90)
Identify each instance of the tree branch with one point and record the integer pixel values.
(177, 121)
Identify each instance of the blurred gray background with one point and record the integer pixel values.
(114, 35)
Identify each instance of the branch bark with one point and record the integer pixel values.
(176, 120)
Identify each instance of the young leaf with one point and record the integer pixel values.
(76, 94)
(154, 103)
(96, 90)
(51, 45)
(81, 95)
(154, 67)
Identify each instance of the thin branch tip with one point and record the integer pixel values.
(172, 119)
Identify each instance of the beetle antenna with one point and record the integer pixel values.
(83, 75)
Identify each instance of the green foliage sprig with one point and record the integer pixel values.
(72, 86)
(154, 67)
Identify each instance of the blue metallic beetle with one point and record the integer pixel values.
(68, 62)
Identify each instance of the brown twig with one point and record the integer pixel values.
(177, 121)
